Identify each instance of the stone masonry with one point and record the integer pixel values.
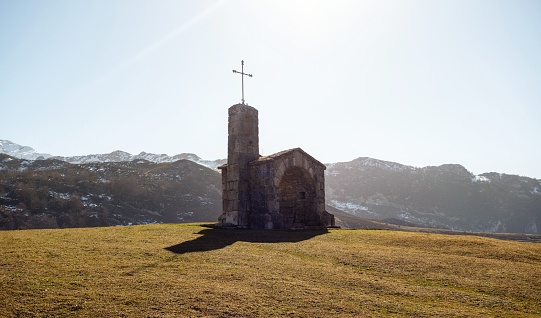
(281, 191)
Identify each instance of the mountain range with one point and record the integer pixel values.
(25, 152)
(41, 190)
(447, 196)
(51, 193)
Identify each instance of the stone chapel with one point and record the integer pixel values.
(285, 190)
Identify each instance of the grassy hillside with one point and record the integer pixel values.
(186, 270)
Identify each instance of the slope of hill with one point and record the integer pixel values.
(447, 196)
(52, 193)
(191, 271)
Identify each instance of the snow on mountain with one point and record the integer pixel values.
(368, 163)
(28, 153)
(115, 156)
(22, 152)
(480, 179)
(119, 156)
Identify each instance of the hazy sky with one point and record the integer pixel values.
(415, 82)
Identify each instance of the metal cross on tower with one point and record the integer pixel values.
(242, 76)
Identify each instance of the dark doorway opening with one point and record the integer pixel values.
(297, 197)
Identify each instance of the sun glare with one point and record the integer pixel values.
(309, 24)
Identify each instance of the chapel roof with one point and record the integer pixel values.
(265, 159)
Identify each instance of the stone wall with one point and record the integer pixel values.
(242, 148)
(288, 173)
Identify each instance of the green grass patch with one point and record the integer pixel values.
(187, 270)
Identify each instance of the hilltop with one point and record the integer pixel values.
(193, 271)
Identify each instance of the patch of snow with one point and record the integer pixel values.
(332, 172)
(104, 196)
(146, 222)
(351, 208)
(497, 227)
(535, 190)
(204, 201)
(63, 196)
(407, 216)
(12, 208)
(480, 179)
(385, 165)
(531, 227)
(330, 165)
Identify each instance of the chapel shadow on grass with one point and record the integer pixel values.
(217, 238)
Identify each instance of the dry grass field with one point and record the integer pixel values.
(188, 270)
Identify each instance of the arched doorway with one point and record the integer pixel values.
(297, 198)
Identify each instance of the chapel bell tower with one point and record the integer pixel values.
(285, 190)
(242, 148)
